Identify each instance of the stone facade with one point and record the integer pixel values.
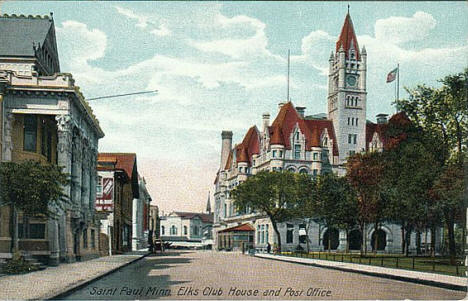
(140, 217)
(313, 145)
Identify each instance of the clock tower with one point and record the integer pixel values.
(347, 92)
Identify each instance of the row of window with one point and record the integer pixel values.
(352, 138)
(353, 121)
(290, 231)
(173, 230)
(352, 101)
(262, 234)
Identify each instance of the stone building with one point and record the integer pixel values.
(314, 145)
(140, 216)
(45, 117)
(154, 224)
(185, 229)
(118, 186)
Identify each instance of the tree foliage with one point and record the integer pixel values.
(32, 187)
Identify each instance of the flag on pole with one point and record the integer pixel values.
(392, 75)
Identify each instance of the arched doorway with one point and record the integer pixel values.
(355, 240)
(333, 236)
(381, 240)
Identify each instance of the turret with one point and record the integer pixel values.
(226, 145)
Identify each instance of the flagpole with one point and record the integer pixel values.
(398, 87)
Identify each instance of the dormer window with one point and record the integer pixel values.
(297, 135)
(325, 141)
(297, 151)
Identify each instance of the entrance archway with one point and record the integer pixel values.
(381, 240)
(355, 240)
(333, 236)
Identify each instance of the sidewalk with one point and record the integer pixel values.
(54, 281)
(445, 281)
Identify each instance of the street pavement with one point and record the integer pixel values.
(223, 275)
(53, 281)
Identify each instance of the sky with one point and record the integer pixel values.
(220, 65)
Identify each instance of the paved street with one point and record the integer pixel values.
(206, 274)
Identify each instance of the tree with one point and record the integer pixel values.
(305, 204)
(335, 203)
(270, 193)
(365, 174)
(448, 191)
(33, 188)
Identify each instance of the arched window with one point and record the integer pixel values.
(185, 230)
(303, 171)
(173, 230)
(291, 169)
(162, 230)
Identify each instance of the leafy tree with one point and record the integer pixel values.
(305, 205)
(270, 193)
(448, 191)
(365, 174)
(336, 205)
(33, 188)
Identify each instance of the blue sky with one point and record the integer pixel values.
(219, 66)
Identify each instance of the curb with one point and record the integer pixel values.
(73, 289)
(381, 275)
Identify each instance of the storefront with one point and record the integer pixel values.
(237, 238)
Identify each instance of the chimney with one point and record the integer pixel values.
(301, 111)
(280, 105)
(266, 121)
(381, 118)
(226, 145)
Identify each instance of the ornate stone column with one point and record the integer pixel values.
(8, 143)
(76, 173)
(85, 181)
(93, 180)
(57, 227)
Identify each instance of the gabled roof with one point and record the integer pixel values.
(381, 128)
(205, 217)
(286, 120)
(348, 38)
(125, 161)
(249, 146)
(243, 227)
(320, 125)
(20, 33)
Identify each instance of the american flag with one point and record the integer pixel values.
(392, 75)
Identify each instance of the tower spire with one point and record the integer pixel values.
(208, 204)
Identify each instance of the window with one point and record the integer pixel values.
(30, 133)
(195, 230)
(297, 151)
(355, 138)
(274, 168)
(274, 154)
(350, 138)
(325, 141)
(99, 186)
(281, 154)
(297, 135)
(348, 120)
(185, 230)
(162, 230)
(93, 237)
(303, 171)
(258, 234)
(266, 233)
(351, 152)
(289, 233)
(85, 238)
(173, 230)
(262, 234)
(315, 156)
(36, 231)
(225, 210)
(302, 238)
(356, 121)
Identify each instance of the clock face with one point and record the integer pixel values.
(351, 80)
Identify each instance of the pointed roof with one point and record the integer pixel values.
(208, 204)
(347, 38)
(317, 127)
(276, 136)
(381, 130)
(124, 161)
(249, 146)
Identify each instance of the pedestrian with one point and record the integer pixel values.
(268, 248)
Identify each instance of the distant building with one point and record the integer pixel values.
(140, 216)
(186, 229)
(154, 224)
(118, 186)
(44, 117)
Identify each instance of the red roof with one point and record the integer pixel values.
(249, 146)
(348, 38)
(243, 227)
(125, 161)
(399, 118)
(320, 125)
(276, 135)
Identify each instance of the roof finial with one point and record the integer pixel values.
(348, 8)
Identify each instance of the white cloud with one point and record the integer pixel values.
(143, 22)
(399, 30)
(315, 46)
